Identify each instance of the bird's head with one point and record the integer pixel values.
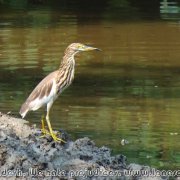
(78, 47)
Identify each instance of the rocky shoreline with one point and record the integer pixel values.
(24, 155)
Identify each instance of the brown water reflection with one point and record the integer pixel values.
(129, 91)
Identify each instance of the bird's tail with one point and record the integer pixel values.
(24, 110)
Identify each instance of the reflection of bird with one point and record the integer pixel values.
(47, 91)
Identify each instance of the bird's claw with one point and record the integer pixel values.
(55, 138)
(51, 133)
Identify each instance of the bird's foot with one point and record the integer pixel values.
(55, 138)
(53, 135)
(50, 132)
(44, 133)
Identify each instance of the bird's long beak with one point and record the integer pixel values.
(89, 48)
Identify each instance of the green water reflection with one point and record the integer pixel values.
(128, 91)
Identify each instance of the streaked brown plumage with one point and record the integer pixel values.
(47, 91)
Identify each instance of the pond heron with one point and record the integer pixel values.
(47, 91)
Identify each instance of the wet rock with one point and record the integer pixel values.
(25, 155)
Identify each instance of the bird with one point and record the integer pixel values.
(48, 90)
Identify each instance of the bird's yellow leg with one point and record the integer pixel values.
(53, 135)
(43, 129)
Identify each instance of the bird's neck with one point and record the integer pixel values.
(66, 72)
(68, 60)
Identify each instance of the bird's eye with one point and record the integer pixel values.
(80, 47)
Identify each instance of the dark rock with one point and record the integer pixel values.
(22, 150)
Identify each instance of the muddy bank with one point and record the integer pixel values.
(23, 154)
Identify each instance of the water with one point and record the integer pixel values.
(130, 90)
